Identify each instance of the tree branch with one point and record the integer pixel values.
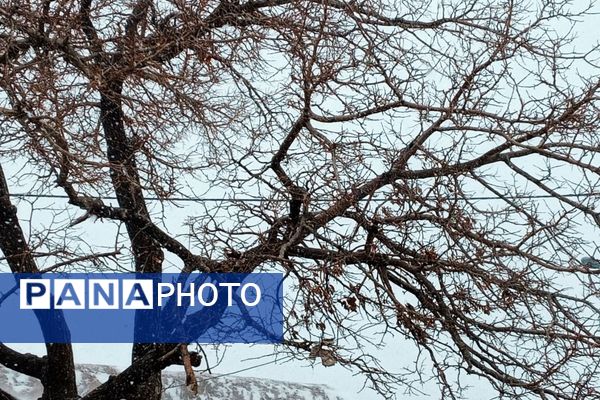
(24, 363)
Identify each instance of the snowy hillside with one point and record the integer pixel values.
(212, 387)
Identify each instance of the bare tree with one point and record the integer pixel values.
(387, 156)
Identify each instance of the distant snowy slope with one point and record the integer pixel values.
(212, 387)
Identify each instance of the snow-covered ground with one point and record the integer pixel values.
(212, 387)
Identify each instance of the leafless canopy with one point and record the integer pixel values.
(410, 165)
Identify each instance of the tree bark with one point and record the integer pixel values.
(58, 377)
(147, 252)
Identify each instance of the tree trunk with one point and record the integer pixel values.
(58, 377)
(147, 252)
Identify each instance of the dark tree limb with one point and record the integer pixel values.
(59, 376)
(138, 374)
(24, 363)
(147, 251)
